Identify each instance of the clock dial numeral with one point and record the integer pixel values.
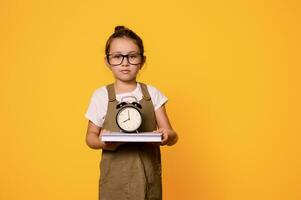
(129, 119)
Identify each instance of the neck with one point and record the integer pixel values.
(122, 87)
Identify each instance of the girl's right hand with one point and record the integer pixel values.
(110, 146)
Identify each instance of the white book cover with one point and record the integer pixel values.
(131, 137)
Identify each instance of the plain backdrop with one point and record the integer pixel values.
(231, 71)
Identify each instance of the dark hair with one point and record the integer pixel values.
(124, 32)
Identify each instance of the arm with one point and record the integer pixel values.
(93, 138)
(170, 137)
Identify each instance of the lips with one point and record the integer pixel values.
(125, 71)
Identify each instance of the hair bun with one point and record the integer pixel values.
(118, 28)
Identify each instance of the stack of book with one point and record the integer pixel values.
(131, 137)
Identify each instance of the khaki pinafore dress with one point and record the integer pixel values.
(133, 170)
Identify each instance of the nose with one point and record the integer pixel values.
(125, 61)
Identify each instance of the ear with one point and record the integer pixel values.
(106, 62)
(144, 59)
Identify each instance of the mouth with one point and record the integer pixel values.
(125, 71)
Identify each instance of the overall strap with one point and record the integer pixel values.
(145, 92)
(111, 92)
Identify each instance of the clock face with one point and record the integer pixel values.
(129, 119)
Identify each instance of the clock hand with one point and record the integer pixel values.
(128, 114)
(125, 120)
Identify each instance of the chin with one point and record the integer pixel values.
(126, 79)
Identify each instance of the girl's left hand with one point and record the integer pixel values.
(168, 136)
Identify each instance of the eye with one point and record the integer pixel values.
(133, 55)
(117, 56)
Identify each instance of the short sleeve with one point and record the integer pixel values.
(97, 107)
(158, 98)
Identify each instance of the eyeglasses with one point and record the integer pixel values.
(117, 59)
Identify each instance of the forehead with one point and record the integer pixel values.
(123, 45)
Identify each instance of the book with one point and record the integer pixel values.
(131, 137)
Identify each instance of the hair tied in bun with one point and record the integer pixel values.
(118, 28)
(124, 32)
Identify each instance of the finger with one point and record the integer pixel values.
(160, 130)
(109, 146)
(105, 131)
(115, 144)
(164, 141)
(164, 138)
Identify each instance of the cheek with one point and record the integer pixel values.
(137, 69)
(113, 70)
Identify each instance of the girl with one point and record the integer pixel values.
(128, 170)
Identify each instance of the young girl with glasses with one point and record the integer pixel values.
(128, 170)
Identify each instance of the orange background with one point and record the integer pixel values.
(230, 69)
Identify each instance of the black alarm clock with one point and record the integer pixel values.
(129, 117)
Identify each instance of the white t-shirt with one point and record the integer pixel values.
(98, 106)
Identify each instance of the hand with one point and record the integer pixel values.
(169, 137)
(110, 146)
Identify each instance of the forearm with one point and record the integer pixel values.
(93, 141)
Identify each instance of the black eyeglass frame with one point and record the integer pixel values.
(127, 57)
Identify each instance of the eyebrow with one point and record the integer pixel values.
(126, 53)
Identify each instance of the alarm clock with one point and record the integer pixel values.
(129, 117)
